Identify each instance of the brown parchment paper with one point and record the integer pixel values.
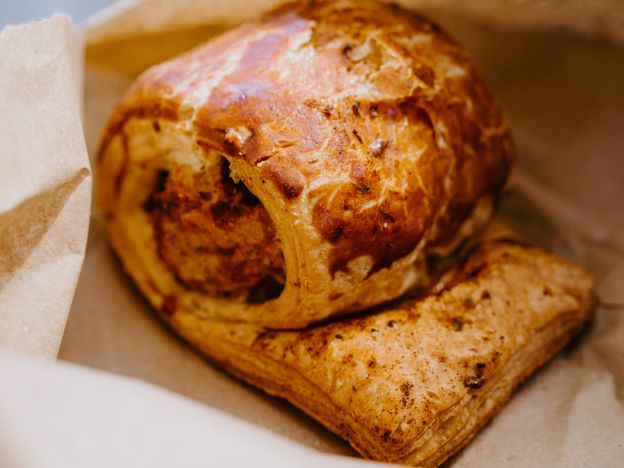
(565, 101)
(45, 182)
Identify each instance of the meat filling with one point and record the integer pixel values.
(215, 235)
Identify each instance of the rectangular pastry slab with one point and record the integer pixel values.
(413, 383)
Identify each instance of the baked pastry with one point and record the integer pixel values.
(301, 166)
(414, 382)
(313, 163)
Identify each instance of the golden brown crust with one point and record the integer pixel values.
(413, 383)
(363, 129)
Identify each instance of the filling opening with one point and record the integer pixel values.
(214, 235)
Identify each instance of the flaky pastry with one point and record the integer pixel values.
(301, 166)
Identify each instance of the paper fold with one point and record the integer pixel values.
(45, 182)
(79, 417)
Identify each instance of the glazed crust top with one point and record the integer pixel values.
(396, 107)
(366, 124)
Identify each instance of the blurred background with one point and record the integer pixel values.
(14, 12)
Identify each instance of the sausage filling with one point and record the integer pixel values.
(215, 235)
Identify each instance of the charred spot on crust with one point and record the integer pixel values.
(169, 305)
(327, 110)
(357, 136)
(364, 188)
(337, 234)
(161, 179)
(287, 183)
(476, 271)
(290, 191)
(268, 288)
(476, 380)
(458, 325)
(425, 74)
(214, 235)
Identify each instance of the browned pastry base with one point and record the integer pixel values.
(414, 383)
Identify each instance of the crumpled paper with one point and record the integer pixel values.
(65, 416)
(45, 182)
(564, 99)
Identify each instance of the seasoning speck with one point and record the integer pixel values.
(474, 381)
(378, 146)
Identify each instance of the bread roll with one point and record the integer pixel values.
(301, 166)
